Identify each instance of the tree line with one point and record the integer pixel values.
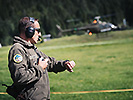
(52, 12)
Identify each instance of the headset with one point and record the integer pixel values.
(30, 31)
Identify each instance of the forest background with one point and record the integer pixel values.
(52, 12)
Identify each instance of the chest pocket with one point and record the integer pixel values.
(33, 58)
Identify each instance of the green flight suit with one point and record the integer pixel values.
(29, 79)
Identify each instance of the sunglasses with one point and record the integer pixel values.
(38, 30)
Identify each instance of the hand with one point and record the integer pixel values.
(70, 65)
(43, 63)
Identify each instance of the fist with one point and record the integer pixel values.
(70, 65)
(43, 63)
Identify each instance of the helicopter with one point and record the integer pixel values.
(96, 27)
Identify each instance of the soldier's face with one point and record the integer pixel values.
(37, 32)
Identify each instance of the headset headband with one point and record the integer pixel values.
(32, 19)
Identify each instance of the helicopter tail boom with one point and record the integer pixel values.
(58, 27)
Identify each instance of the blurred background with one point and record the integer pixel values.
(104, 61)
(66, 13)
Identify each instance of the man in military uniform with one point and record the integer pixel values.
(29, 67)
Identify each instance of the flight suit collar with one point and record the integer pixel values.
(22, 42)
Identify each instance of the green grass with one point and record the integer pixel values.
(98, 67)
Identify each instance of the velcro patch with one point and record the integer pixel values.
(18, 58)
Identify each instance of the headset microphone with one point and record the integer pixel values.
(40, 39)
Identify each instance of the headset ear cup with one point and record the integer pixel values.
(29, 32)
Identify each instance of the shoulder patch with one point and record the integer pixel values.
(18, 58)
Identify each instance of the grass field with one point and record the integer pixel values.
(104, 63)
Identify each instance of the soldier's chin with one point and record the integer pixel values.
(36, 42)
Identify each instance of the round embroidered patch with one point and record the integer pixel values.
(17, 58)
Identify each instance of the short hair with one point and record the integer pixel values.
(24, 23)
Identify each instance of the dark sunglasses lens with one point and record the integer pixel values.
(38, 30)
